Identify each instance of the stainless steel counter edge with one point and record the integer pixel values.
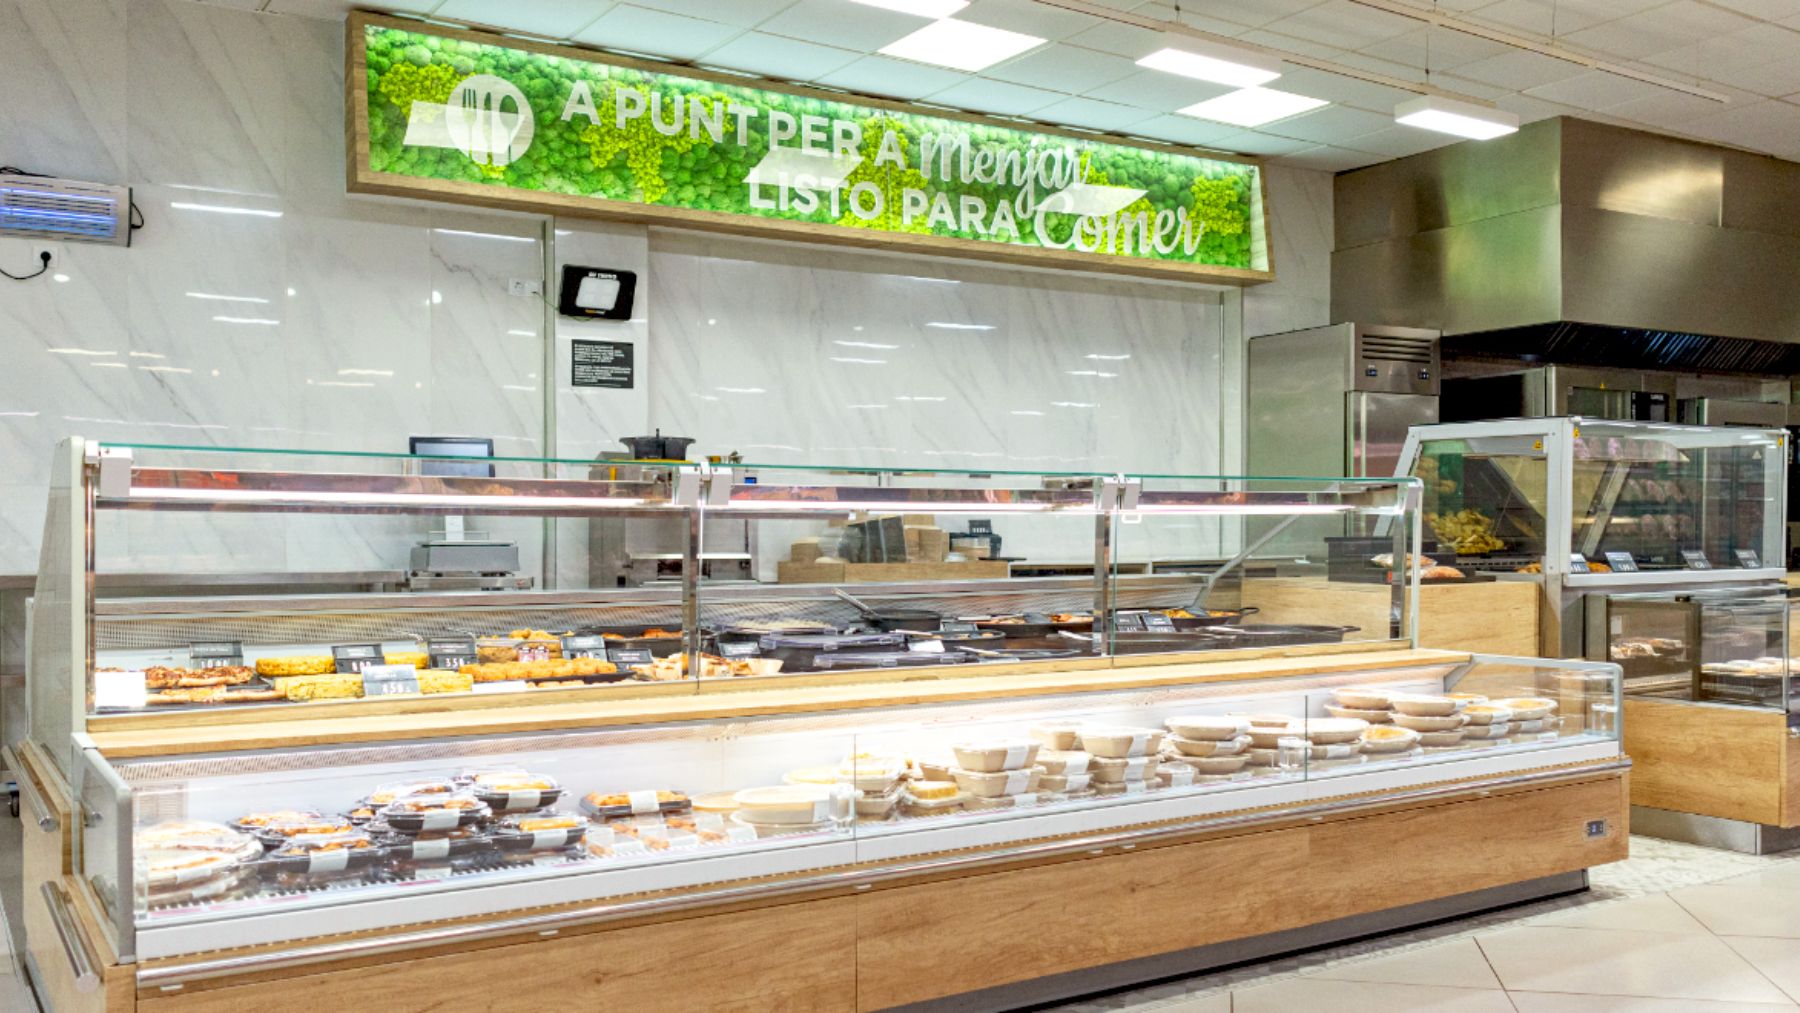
(171, 977)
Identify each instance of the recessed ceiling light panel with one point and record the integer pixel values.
(961, 45)
(1252, 107)
(923, 8)
(1207, 62)
(1448, 116)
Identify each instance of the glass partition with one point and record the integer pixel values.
(1710, 647)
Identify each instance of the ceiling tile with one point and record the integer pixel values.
(1398, 141)
(1342, 90)
(552, 19)
(1062, 67)
(1154, 90)
(1092, 113)
(1331, 125)
(1128, 41)
(1250, 15)
(1464, 86)
(1538, 17)
(1657, 30)
(1771, 79)
(742, 13)
(998, 97)
(1530, 108)
(1519, 70)
(1184, 130)
(1667, 108)
(1594, 90)
(1436, 48)
(1026, 16)
(846, 25)
(1330, 159)
(1774, 10)
(1343, 23)
(779, 56)
(659, 33)
(1293, 44)
(882, 75)
(1770, 125)
(1250, 142)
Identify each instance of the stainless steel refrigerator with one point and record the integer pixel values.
(1338, 400)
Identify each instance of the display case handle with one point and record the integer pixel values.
(40, 809)
(86, 979)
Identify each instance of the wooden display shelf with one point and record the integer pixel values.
(1735, 763)
(1489, 617)
(886, 943)
(125, 737)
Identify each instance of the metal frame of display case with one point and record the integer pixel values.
(1565, 630)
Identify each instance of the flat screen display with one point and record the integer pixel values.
(454, 446)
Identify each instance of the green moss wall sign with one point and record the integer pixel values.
(440, 112)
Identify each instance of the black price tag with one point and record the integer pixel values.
(1621, 562)
(740, 649)
(627, 657)
(216, 654)
(1129, 622)
(585, 645)
(1696, 560)
(1747, 558)
(450, 652)
(951, 626)
(1578, 564)
(389, 680)
(1156, 622)
(356, 657)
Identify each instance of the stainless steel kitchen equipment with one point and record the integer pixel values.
(630, 551)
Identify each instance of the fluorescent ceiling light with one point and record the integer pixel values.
(1252, 107)
(1448, 116)
(923, 8)
(1205, 61)
(961, 45)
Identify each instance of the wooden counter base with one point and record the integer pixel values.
(1735, 763)
(914, 940)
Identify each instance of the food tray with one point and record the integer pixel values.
(518, 800)
(407, 821)
(509, 837)
(432, 847)
(1202, 727)
(637, 803)
(323, 854)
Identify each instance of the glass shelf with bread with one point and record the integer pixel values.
(1703, 645)
(515, 575)
(269, 847)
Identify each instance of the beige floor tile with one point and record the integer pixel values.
(1456, 964)
(1550, 1002)
(1667, 965)
(1366, 997)
(1743, 910)
(1652, 913)
(1217, 1003)
(1777, 959)
(1782, 876)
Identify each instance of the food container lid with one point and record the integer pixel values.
(306, 826)
(383, 794)
(830, 641)
(251, 823)
(888, 659)
(300, 844)
(192, 835)
(634, 803)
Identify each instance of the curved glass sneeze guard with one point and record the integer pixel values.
(520, 574)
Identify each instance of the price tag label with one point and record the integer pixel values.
(932, 646)
(390, 680)
(450, 652)
(1129, 622)
(1621, 562)
(740, 649)
(631, 848)
(1696, 560)
(216, 653)
(1747, 558)
(740, 835)
(1156, 622)
(586, 645)
(120, 689)
(354, 658)
(1578, 563)
(627, 657)
(507, 686)
(952, 626)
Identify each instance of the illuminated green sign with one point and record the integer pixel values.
(499, 121)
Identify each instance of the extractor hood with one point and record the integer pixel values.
(1579, 242)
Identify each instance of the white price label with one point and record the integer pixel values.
(328, 861)
(683, 842)
(926, 647)
(1016, 780)
(120, 689)
(1026, 801)
(441, 819)
(1136, 787)
(438, 847)
(508, 686)
(642, 802)
(741, 835)
(629, 849)
(1015, 756)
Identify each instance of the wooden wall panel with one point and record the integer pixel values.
(1729, 762)
(1497, 617)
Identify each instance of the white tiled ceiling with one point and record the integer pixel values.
(1086, 74)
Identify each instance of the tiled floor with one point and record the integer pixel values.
(1676, 929)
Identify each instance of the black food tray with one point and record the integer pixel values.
(525, 840)
(618, 811)
(503, 801)
(413, 823)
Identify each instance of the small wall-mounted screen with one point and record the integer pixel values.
(454, 446)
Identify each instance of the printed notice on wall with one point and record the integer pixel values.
(601, 364)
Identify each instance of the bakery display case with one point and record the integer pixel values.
(109, 662)
(1703, 666)
(218, 861)
(1591, 508)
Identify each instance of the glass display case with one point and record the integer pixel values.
(1705, 646)
(1599, 507)
(513, 524)
(190, 849)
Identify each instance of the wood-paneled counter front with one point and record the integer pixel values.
(1488, 617)
(1736, 763)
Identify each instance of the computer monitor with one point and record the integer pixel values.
(453, 446)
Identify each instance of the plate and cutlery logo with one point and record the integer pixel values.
(486, 118)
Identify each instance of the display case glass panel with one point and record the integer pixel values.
(1713, 647)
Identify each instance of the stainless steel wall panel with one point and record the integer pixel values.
(1635, 173)
(1762, 194)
